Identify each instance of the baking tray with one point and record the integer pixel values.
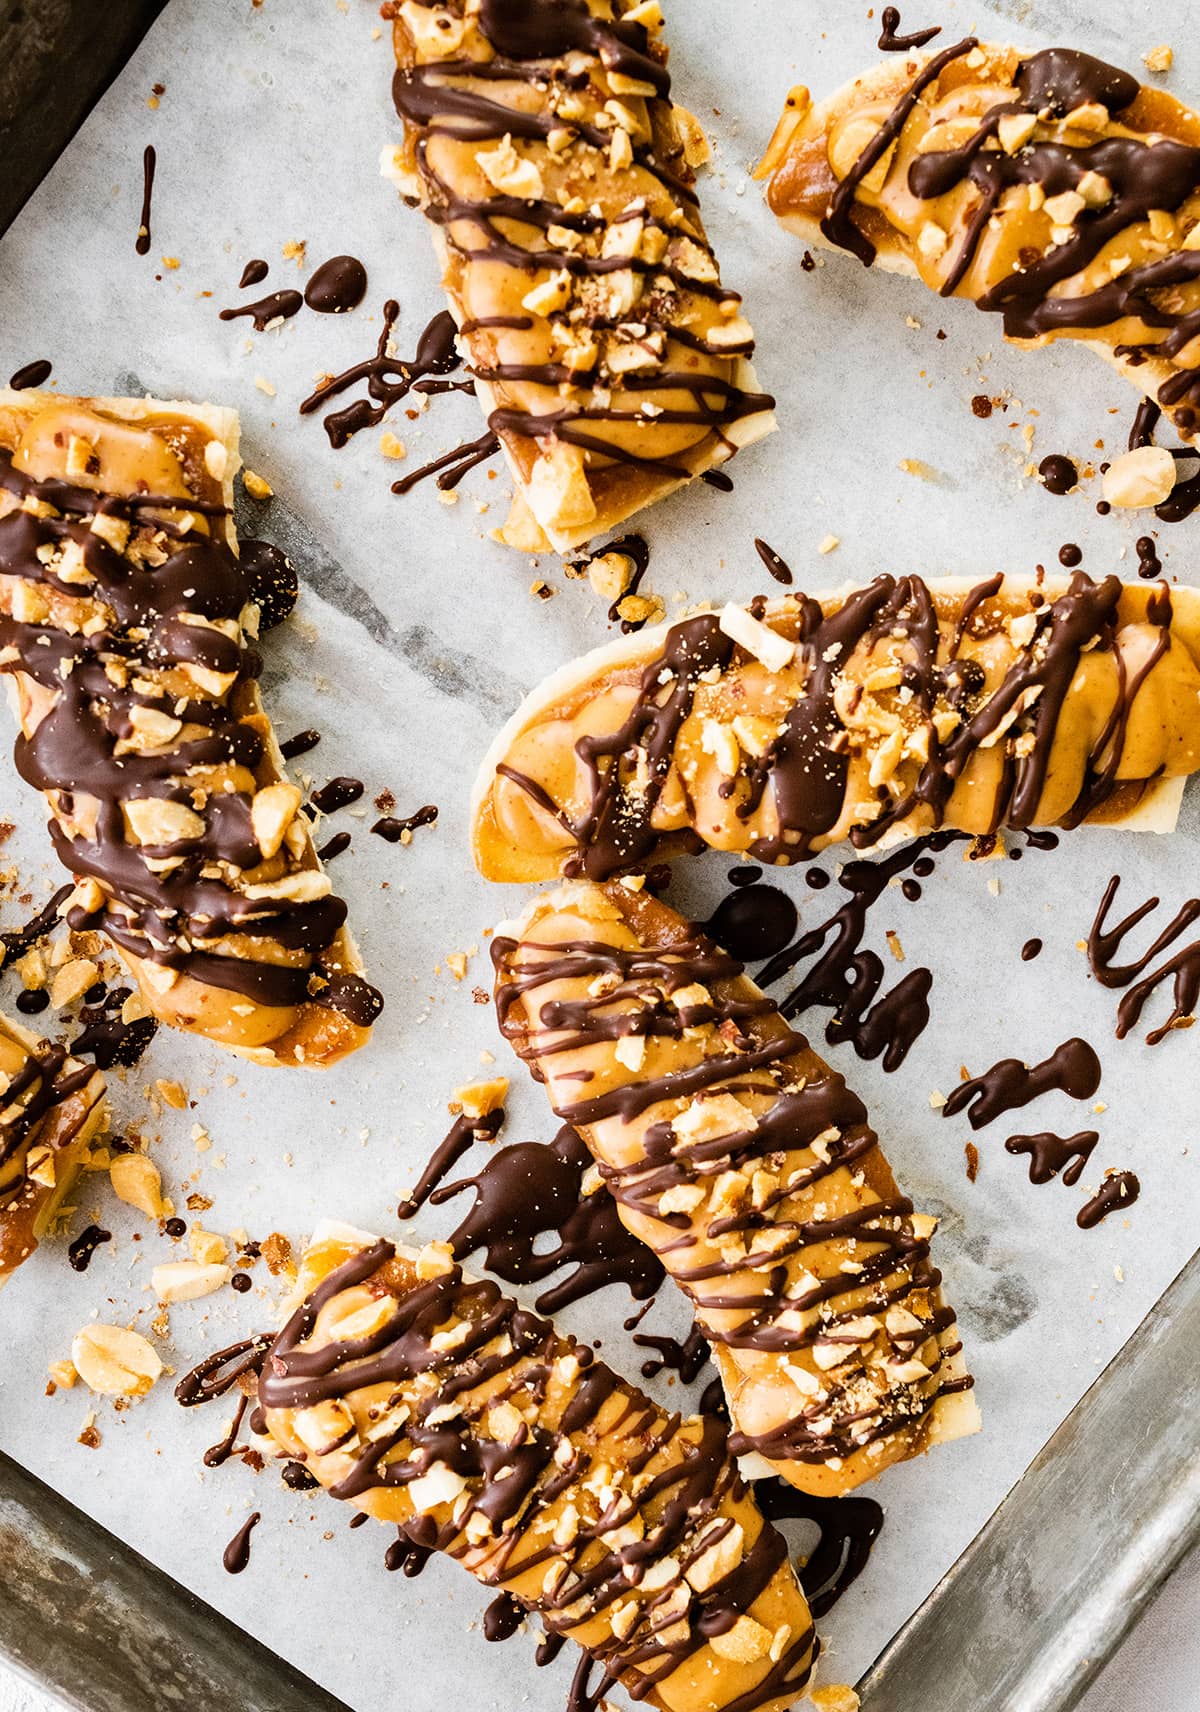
(98, 1623)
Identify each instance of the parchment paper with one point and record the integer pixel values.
(416, 635)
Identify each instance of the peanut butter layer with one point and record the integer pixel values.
(542, 144)
(430, 1400)
(128, 626)
(873, 714)
(1051, 189)
(52, 1107)
(749, 1168)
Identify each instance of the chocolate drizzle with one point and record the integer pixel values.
(775, 565)
(1142, 173)
(847, 1531)
(890, 40)
(388, 379)
(806, 768)
(506, 1486)
(175, 597)
(636, 549)
(36, 1092)
(149, 162)
(847, 979)
(1009, 1084)
(619, 994)
(512, 98)
(1184, 497)
(1183, 968)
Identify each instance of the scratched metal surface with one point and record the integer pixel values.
(416, 635)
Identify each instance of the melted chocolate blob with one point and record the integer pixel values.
(300, 744)
(770, 558)
(80, 1253)
(236, 1555)
(1009, 1084)
(276, 306)
(392, 829)
(253, 273)
(149, 162)
(338, 285)
(1070, 555)
(1120, 1190)
(36, 373)
(1032, 948)
(754, 922)
(528, 1191)
(848, 1529)
(274, 586)
(1058, 473)
(338, 793)
(1149, 563)
(1050, 1154)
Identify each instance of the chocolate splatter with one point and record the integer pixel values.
(80, 1252)
(338, 793)
(338, 285)
(236, 1555)
(276, 306)
(890, 40)
(1183, 968)
(300, 744)
(393, 829)
(1121, 1189)
(453, 465)
(149, 162)
(754, 922)
(1058, 473)
(1149, 563)
(1072, 1067)
(36, 373)
(1051, 1154)
(254, 272)
(778, 568)
(636, 549)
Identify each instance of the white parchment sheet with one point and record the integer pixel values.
(415, 636)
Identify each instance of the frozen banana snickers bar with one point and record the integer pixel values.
(872, 714)
(1052, 189)
(52, 1108)
(431, 1401)
(542, 144)
(128, 627)
(749, 1168)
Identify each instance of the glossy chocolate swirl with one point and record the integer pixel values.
(129, 623)
(430, 1400)
(897, 708)
(749, 1168)
(541, 142)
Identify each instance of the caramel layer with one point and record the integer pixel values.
(128, 626)
(749, 1168)
(1051, 189)
(542, 144)
(433, 1402)
(52, 1107)
(878, 713)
